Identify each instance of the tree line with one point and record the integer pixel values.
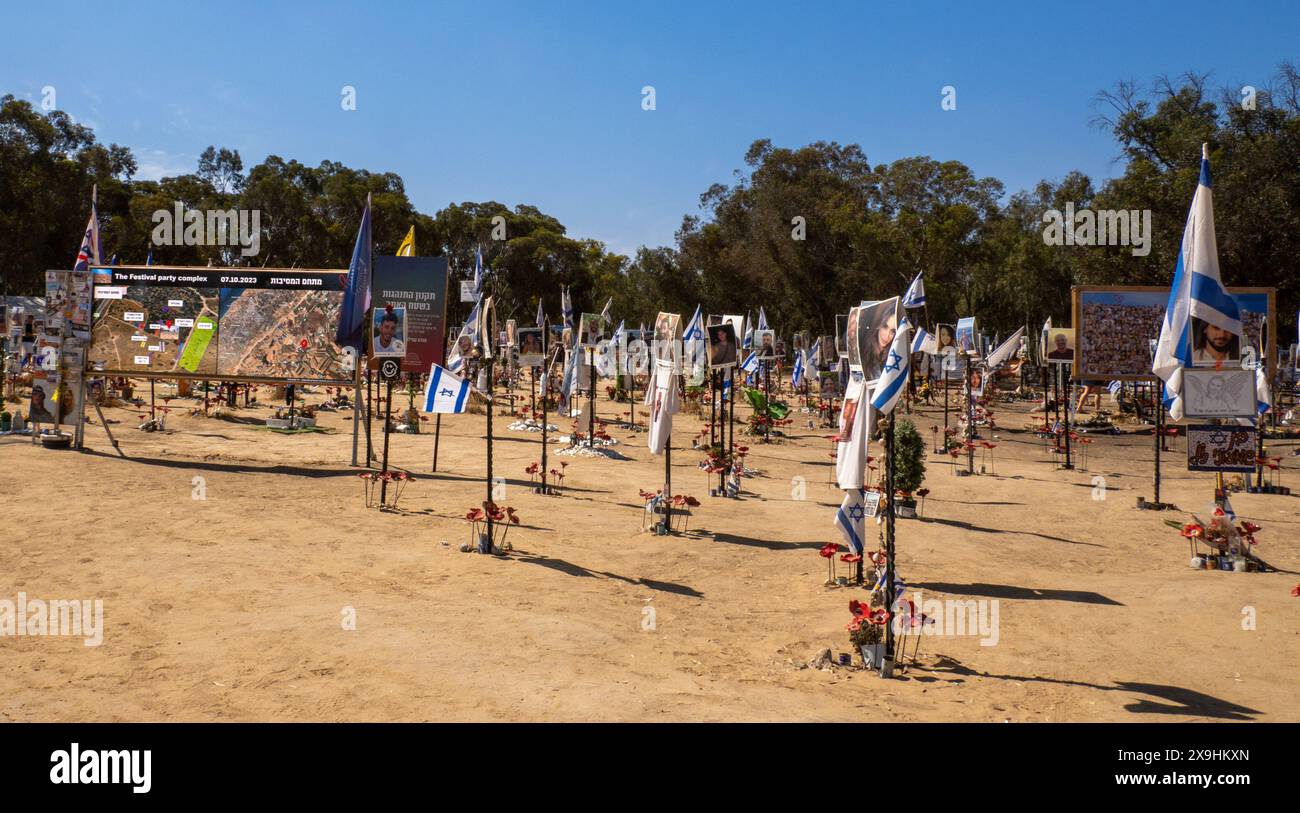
(803, 231)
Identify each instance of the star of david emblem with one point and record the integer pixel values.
(856, 512)
(446, 392)
(894, 361)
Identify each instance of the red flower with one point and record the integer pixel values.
(514, 518)
(830, 549)
(879, 617)
(1295, 591)
(1193, 531)
(475, 515)
(850, 557)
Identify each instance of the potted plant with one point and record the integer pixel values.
(909, 467)
(867, 632)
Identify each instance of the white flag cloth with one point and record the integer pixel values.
(796, 372)
(915, 296)
(893, 375)
(663, 408)
(924, 342)
(566, 307)
(1197, 292)
(855, 429)
(850, 519)
(1005, 350)
(447, 392)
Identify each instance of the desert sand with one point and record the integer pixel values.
(232, 607)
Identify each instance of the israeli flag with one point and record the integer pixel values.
(762, 319)
(1197, 293)
(694, 330)
(447, 392)
(924, 342)
(750, 364)
(850, 518)
(605, 311)
(893, 377)
(915, 296)
(478, 272)
(569, 385)
(796, 372)
(566, 307)
(1115, 387)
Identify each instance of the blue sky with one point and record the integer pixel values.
(541, 103)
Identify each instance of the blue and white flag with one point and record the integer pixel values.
(569, 384)
(762, 319)
(447, 393)
(478, 272)
(1115, 387)
(924, 342)
(796, 372)
(750, 364)
(813, 353)
(893, 375)
(1005, 350)
(566, 307)
(747, 341)
(541, 315)
(88, 254)
(850, 518)
(455, 359)
(1197, 293)
(356, 297)
(915, 296)
(605, 311)
(694, 330)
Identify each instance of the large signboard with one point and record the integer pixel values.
(1221, 448)
(232, 324)
(1117, 324)
(419, 285)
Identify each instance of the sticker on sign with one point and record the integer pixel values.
(142, 360)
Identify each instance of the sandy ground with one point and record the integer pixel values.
(232, 607)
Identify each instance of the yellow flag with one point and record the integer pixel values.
(407, 248)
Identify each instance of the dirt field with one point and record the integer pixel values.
(232, 607)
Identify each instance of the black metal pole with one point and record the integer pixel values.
(388, 414)
(970, 422)
(437, 435)
(591, 419)
(489, 452)
(767, 398)
(889, 546)
(370, 397)
(731, 425)
(667, 501)
(1159, 431)
(151, 402)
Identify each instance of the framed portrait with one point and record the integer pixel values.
(512, 333)
(966, 335)
(946, 337)
(877, 326)
(667, 338)
(388, 332)
(722, 345)
(591, 330)
(531, 351)
(765, 343)
(841, 335)
(1060, 345)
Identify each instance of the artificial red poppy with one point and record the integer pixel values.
(830, 549)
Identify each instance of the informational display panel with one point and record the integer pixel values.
(1117, 325)
(219, 323)
(419, 285)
